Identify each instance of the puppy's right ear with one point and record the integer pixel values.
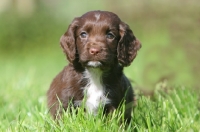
(67, 41)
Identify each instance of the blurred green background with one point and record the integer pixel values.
(168, 30)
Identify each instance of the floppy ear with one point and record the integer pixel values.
(67, 41)
(128, 45)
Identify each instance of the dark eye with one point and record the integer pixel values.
(110, 35)
(83, 35)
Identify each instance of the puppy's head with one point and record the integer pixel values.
(99, 39)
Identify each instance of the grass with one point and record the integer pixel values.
(24, 81)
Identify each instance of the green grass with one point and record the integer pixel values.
(24, 81)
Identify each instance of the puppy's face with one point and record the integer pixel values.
(99, 39)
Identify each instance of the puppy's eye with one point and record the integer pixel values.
(83, 35)
(110, 35)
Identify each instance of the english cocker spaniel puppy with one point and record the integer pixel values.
(97, 45)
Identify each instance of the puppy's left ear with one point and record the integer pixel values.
(128, 45)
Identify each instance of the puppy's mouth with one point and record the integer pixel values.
(94, 64)
(97, 64)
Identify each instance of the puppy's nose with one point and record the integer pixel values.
(94, 51)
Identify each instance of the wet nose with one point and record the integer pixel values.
(94, 51)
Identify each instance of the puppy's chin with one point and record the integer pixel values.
(98, 65)
(94, 64)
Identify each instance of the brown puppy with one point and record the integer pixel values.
(97, 45)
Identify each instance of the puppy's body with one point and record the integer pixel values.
(98, 45)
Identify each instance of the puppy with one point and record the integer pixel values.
(97, 45)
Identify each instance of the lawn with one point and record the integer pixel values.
(165, 74)
(26, 78)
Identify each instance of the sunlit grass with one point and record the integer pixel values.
(23, 102)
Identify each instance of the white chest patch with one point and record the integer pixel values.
(94, 91)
